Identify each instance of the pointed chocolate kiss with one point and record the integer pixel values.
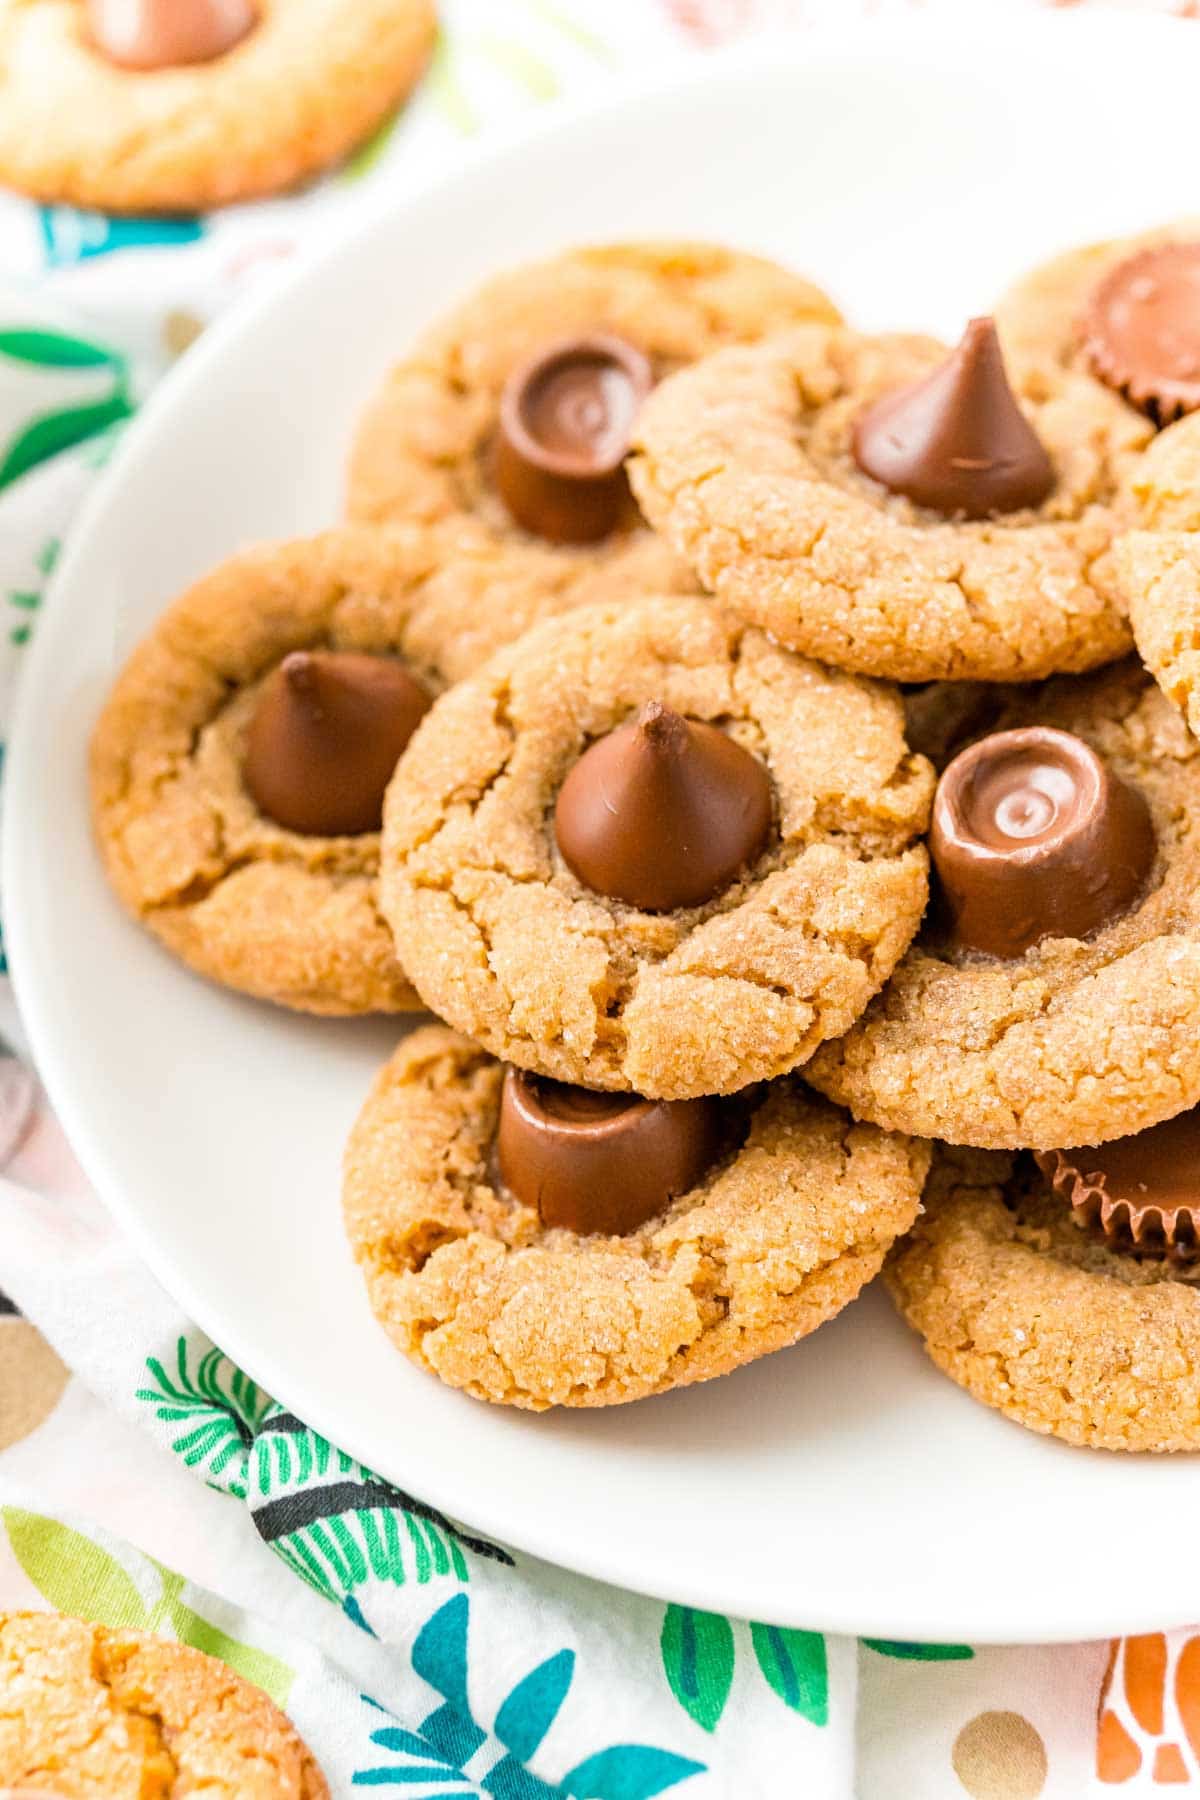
(162, 34)
(566, 419)
(1141, 330)
(957, 441)
(1140, 1193)
(326, 737)
(1034, 836)
(663, 812)
(600, 1162)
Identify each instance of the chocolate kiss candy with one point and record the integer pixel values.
(1140, 1192)
(1033, 836)
(326, 737)
(957, 441)
(600, 1162)
(566, 419)
(1141, 330)
(662, 812)
(162, 34)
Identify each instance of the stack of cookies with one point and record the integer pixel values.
(587, 734)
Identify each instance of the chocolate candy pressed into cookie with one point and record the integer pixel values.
(149, 106)
(1065, 1296)
(538, 1245)
(124, 1715)
(647, 849)
(515, 411)
(1052, 994)
(239, 765)
(895, 507)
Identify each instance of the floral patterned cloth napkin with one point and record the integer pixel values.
(412, 1653)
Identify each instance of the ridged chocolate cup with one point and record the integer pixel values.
(1136, 1193)
(1140, 330)
(566, 420)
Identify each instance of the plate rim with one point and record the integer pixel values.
(696, 72)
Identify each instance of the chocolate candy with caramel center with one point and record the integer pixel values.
(566, 419)
(1034, 836)
(325, 738)
(602, 1163)
(163, 34)
(1140, 1192)
(957, 441)
(663, 811)
(1141, 330)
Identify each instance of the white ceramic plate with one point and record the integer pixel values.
(843, 1484)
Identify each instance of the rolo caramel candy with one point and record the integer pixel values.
(957, 441)
(662, 812)
(600, 1163)
(1033, 837)
(325, 738)
(163, 34)
(566, 418)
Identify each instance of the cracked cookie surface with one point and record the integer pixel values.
(1039, 1320)
(745, 464)
(274, 913)
(1077, 1041)
(506, 944)
(424, 449)
(466, 1281)
(94, 1714)
(301, 90)
(1158, 565)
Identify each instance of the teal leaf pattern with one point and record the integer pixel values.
(436, 1754)
(698, 1656)
(533, 1704)
(906, 1652)
(54, 349)
(55, 432)
(795, 1667)
(628, 1772)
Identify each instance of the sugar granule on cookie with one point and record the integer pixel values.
(1051, 996)
(539, 1245)
(645, 848)
(1065, 1295)
(893, 508)
(92, 1711)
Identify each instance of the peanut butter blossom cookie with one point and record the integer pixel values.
(1051, 998)
(542, 1245)
(645, 848)
(1126, 313)
(895, 508)
(239, 766)
(88, 1712)
(180, 105)
(1062, 1289)
(516, 411)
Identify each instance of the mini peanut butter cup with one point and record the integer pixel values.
(566, 419)
(1139, 1193)
(662, 812)
(163, 34)
(1034, 836)
(600, 1163)
(1140, 330)
(957, 441)
(325, 738)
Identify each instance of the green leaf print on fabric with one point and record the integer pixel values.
(794, 1665)
(212, 1413)
(54, 350)
(265, 1671)
(55, 432)
(905, 1652)
(698, 1656)
(75, 1575)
